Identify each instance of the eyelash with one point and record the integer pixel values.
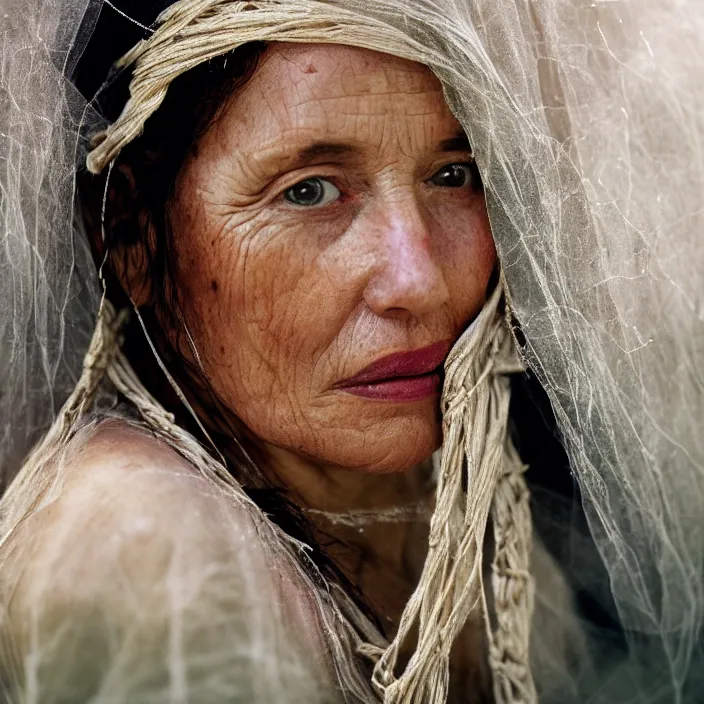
(474, 181)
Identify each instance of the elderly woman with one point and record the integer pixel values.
(302, 303)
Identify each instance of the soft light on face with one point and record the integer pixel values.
(330, 218)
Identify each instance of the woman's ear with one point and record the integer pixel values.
(126, 233)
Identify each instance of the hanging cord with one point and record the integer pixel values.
(103, 347)
(512, 585)
(128, 18)
(477, 454)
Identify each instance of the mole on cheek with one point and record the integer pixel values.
(214, 285)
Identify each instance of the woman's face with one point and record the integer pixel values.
(332, 242)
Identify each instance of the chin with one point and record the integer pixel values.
(394, 445)
(357, 435)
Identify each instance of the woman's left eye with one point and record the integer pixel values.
(312, 192)
(454, 176)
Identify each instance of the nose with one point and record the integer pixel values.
(406, 280)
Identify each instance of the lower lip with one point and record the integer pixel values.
(401, 390)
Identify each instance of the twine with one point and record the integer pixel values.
(194, 31)
(475, 449)
(480, 473)
(32, 480)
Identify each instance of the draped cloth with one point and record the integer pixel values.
(587, 124)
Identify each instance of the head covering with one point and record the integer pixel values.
(587, 125)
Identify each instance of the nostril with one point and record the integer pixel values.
(397, 312)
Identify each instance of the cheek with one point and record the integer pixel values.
(266, 304)
(253, 298)
(467, 249)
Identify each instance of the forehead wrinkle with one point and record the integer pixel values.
(309, 94)
(374, 138)
(366, 120)
(386, 74)
(400, 100)
(369, 121)
(353, 136)
(328, 85)
(254, 101)
(327, 61)
(400, 139)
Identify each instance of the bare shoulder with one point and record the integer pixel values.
(127, 500)
(120, 457)
(121, 487)
(140, 568)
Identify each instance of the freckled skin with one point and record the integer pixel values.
(284, 301)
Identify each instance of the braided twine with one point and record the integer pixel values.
(481, 476)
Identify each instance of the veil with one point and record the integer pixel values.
(587, 121)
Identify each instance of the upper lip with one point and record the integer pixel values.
(402, 364)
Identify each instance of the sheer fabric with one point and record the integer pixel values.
(587, 123)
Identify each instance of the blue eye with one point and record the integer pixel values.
(456, 176)
(311, 192)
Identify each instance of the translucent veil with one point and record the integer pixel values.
(48, 292)
(587, 120)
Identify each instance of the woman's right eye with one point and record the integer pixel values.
(312, 192)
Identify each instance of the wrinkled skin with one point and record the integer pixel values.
(134, 576)
(284, 300)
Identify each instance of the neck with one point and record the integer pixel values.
(374, 526)
(326, 488)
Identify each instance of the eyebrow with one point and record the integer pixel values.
(318, 149)
(458, 143)
(322, 149)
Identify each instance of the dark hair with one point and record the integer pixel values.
(154, 161)
(171, 134)
(136, 219)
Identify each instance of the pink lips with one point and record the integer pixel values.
(401, 377)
